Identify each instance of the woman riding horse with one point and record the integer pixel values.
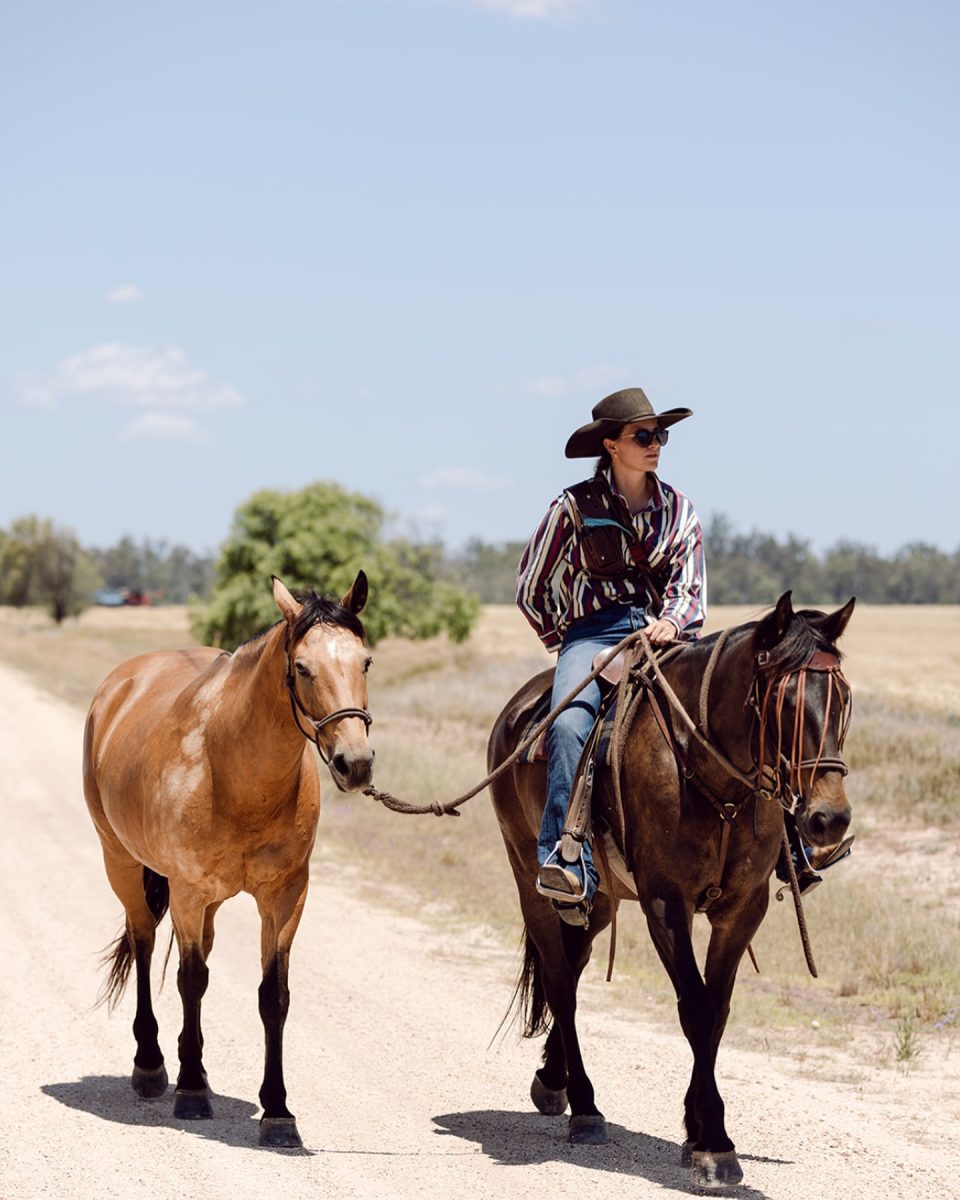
(617, 553)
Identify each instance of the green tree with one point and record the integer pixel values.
(41, 563)
(20, 560)
(67, 574)
(319, 537)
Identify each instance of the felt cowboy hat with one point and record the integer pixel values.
(615, 410)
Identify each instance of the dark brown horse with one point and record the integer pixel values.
(201, 780)
(775, 711)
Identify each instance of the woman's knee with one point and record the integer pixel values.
(571, 726)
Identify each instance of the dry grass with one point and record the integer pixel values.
(884, 927)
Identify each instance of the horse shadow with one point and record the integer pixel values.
(528, 1139)
(111, 1098)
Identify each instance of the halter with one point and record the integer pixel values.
(316, 723)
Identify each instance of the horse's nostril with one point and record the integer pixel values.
(339, 764)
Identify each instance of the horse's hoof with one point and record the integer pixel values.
(548, 1101)
(715, 1169)
(280, 1133)
(192, 1105)
(686, 1154)
(149, 1082)
(588, 1129)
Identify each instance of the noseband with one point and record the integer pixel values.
(790, 792)
(317, 723)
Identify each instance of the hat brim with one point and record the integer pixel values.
(587, 441)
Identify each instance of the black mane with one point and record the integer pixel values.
(317, 610)
(803, 636)
(325, 610)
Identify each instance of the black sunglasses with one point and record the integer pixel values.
(646, 437)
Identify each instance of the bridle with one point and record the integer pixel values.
(315, 723)
(768, 693)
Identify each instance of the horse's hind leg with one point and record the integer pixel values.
(280, 913)
(549, 1088)
(563, 952)
(143, 895)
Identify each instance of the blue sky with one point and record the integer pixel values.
(407, 245)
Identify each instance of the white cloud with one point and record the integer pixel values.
(464, 479)
(592, 380)
(536, 10)
(124, 293)
(137, 376)
(163, 427)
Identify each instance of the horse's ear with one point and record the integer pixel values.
(283, 599)
(834, 625)
(356, 598)
(772, 628)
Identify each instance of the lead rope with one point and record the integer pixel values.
(450, 808)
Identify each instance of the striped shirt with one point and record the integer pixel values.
(554, 587)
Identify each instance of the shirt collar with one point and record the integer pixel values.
(656, 500)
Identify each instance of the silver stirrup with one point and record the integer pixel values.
(556, 882)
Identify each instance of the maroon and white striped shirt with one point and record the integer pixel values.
(554, 587)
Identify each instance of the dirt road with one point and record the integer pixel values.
(389, 1068)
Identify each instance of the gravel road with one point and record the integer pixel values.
(390, 1067)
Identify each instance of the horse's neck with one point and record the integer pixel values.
(721, 687)
(256, 706)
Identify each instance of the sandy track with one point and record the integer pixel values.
(397, 1092)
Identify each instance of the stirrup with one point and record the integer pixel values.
(557, 883)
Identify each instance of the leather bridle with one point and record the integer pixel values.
(317, 723)
(771, 693)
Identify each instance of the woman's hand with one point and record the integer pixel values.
(661, 631)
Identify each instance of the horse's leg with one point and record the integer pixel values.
(192, 1097)
(709, 1149)
(563, 952)
(280, 913)
(126, 876)
(549, 1088)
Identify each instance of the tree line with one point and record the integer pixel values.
(319, 536)
(44, 564)
(756, 568)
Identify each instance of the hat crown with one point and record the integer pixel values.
(629, 404)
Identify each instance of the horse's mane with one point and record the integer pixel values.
(804, 635)
(325, 610)
(316, 610)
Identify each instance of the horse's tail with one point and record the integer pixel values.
(118, 957)
(529, 1000)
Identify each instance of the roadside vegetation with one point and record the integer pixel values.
(885, 925)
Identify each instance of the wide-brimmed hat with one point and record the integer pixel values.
(619, 408)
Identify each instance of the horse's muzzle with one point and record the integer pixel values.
(826, 816)
(352, 770)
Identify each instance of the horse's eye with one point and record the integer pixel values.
(367, 665)
(302, 671)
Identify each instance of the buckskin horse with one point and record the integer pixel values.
(200, 777)
(699, 820)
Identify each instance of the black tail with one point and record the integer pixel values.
(118, 957)
(528, 1000)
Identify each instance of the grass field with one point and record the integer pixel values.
(885, 926)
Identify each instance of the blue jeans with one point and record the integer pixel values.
(566, 737)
